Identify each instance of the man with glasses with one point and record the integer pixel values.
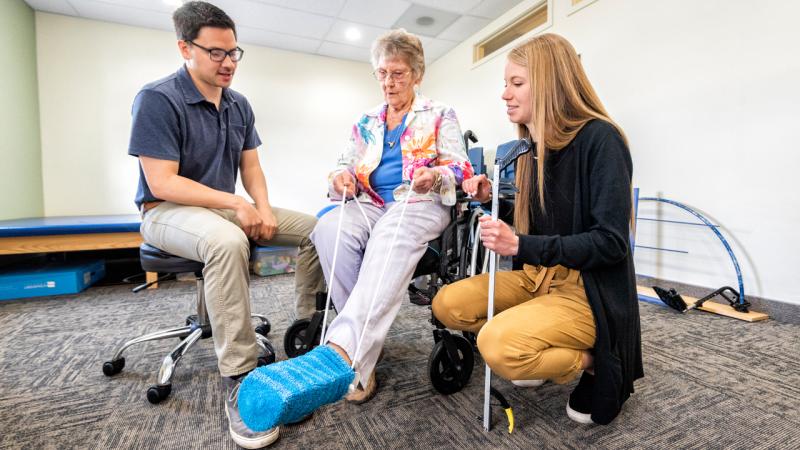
(191, 133)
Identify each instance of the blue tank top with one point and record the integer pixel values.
(389, 173)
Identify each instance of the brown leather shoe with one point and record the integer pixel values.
(359, 396)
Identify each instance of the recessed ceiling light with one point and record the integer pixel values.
(352, 34)
(425, 21)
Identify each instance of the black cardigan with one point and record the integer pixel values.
(599, 246)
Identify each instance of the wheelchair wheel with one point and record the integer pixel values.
(447, 376)
(465, 260)
(295, 338)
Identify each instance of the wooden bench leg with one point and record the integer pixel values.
(152, 276)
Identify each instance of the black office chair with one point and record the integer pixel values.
(197, 325)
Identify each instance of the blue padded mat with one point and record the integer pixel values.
(46, 226)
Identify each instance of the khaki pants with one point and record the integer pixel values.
(542, 321)
(213, 237)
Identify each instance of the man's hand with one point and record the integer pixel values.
(478, 187)
(424, 178)
(269, 224)
(249, 218)
(497, 236)
(345, 184)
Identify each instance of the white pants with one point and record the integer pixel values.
(360, 260)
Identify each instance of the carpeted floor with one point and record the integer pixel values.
(711, 382)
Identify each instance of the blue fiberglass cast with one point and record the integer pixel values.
(289, 390)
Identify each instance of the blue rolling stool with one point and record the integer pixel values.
(197, 325)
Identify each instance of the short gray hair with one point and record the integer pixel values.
(400, 43)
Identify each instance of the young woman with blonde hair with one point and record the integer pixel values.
(571, 308)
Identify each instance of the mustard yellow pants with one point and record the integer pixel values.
(542, 323)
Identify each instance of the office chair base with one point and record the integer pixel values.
(191, 333)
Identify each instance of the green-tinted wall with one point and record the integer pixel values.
(20, 148)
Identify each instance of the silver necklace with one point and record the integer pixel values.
(393, 136)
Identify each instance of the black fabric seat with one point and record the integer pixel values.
(156, 260)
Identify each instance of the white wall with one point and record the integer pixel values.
(21, 168)
(90, 71)
(707, 93)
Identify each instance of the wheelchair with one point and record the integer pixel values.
(454, 255)
(452, 358)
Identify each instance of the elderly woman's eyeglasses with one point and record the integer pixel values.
(218, 54)
(396, 75)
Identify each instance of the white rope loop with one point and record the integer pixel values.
(333, 267)
(364, 214)
(383, 272)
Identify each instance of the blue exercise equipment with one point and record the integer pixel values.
(736, 299)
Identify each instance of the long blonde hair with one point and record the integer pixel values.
(562, 102)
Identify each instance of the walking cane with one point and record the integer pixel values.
(520, 148)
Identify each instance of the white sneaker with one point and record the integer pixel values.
(579, 405)
(528, 383)
(241, 434)
(579, 417)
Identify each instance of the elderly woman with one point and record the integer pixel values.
(406, 138)
(404, 158)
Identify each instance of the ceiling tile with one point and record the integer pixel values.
(337, 50)
(276, 19)
(123, 14)
(265, 38)
(152, 5)
(329, 8)
(441, 20)
(463, 28)
(382, 13)
(310, 26)
(368, 34)
(435, 48)
(493, 9)
(458, 6)
(53, 6)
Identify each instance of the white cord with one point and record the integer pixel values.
(383, 272)
(333, 264)
(363, 213)
(333, 268)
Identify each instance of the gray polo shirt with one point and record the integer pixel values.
(173, 121)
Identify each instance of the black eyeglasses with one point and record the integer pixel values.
(218, 54)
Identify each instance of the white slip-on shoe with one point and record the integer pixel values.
(579, 406)
(527, 383)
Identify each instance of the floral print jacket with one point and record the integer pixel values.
(432, 138)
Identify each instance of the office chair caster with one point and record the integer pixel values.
(450, 364)
(158, 393)
(263, 328)
(267, 351)
(296, 341)
(111, 368)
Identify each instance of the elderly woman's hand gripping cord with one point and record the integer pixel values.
(497, 236)
(425, 179)
(345, 184)
(478, 187)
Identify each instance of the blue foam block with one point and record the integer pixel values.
(289, 390)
